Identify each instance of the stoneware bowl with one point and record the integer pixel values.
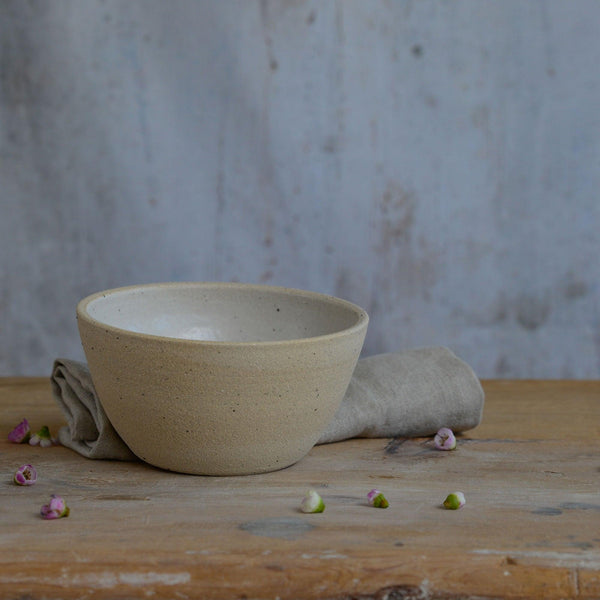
(220, 378)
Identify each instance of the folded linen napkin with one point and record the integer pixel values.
(404, 394)
(88, 430)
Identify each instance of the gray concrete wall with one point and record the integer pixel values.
(436, 162)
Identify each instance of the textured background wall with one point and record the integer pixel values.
(436, 162)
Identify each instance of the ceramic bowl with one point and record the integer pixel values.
(220, 378)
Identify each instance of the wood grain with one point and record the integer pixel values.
(530, 529)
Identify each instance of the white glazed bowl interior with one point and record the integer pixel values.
(220, 378)
(223, 312)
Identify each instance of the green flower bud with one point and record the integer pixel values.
(312, 503)
(454, 501)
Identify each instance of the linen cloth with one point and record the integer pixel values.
(402, 394)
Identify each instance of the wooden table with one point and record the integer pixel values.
(530, 528)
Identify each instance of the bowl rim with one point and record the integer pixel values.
(361, 314)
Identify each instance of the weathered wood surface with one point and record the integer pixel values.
(530, 529)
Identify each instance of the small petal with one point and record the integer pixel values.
(377, 499)
(55, 509)
(454, 501)
(312, 503)
(444, 439)
(25, 475)
(21, 433)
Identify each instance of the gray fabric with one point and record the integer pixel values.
(408, 394)
(404, 394)
(88, 430)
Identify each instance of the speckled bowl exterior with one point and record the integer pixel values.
(254, 398)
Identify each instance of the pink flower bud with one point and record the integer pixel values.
(56, 508)
(21, 433)
(444, 439)
(377, 499)
(25, 475)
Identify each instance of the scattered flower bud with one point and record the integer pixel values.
(444, 439)
(455, 501)
(312, 503)
(377, 499)
(42, 437)
(26, 475)
(21, 433)
(56, 509)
